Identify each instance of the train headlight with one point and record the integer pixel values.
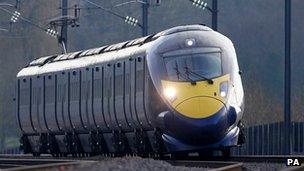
(170, 93)
(190, 42)
(224, 89)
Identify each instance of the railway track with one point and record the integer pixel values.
(236, 163)
(263, 158)
(32, 164)
(210, 165)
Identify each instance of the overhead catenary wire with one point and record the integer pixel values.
(110, 11)
(129, 2)
(6, 4)
(105, 9)
(16, 37)
(24, 19)
(2, 29)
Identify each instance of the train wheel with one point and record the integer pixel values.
(36, 154)
(241, 138)
(226, 152)
(55, 155)
(179, 155)
(205, 154)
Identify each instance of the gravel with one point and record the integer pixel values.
(263, 166)
(148, 164)
(130, 164)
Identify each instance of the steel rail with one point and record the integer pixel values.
(212, 165)
(242, 158)
(215, 163)
(19, 164)
(265, 158)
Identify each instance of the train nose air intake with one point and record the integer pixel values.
(199, 107)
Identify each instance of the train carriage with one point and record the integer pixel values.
(175, 91)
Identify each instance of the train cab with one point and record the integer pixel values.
(196, 74)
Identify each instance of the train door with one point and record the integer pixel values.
(118, 91)
(36, 101)
(139, 86)
(90, 78)
(62, 101)
(110, 119)
(129, 90)
(75, 107)
(97, 98)
(146, 86)
(24, 108)
(49, 103)
(86, 111)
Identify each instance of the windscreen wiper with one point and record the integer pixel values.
(179, 74)
(188, 79)
(187, 71)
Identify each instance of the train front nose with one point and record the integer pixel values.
(198, 113)
(198, 120)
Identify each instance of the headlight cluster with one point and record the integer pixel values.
(170, 93)
(224, 89)
(190, 42)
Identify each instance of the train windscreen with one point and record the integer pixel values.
(193, 66)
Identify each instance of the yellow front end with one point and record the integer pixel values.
(197, 101)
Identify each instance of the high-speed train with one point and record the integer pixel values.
(179, 90)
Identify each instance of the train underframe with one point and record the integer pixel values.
(116, 143)
(140, 142)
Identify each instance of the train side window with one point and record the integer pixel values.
(61, 92)
(97, 88)
(74, 91)
(83, 90)
(110, 87)
(49, 94)
(119, 83)
(127, 83)
(36, 96)
(139, 80)
(24, 96)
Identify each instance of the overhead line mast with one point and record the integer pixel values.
(64, 28)
(287, 86)
(145, 10)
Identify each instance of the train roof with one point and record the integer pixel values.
(115, 47)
